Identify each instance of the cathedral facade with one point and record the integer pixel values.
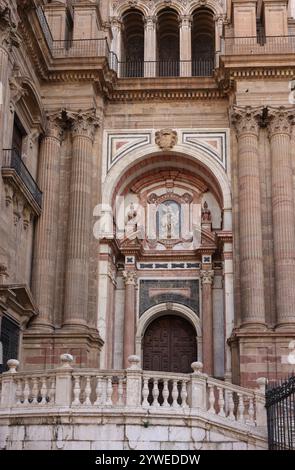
(147, 192)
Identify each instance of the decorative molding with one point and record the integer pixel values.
(121, 143)
(166, 139)
(207, 276)
(214, 143)
(246, 119)
(280, 120)
(130, 277)
(84, 123)
(165, 95)
(9, 37)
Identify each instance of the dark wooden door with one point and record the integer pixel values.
(169, 345)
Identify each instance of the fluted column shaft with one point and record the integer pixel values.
(44, 262)
(79, 227)
(185, 38)
(129, 316)
(250, 226)
(207, 321)
(283, 215)
(150, 46)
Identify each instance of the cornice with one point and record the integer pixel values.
(165, 95)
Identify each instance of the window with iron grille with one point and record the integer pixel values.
(10, 341)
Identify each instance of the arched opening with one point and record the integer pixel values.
(203, 42)
(169, 344)
(168, 43)
(133, 43)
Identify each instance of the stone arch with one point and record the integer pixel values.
(160, 310)
(192, 154)
(213, 5)
(123, 7)
(173, 5)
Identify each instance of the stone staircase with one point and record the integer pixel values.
(68, 408)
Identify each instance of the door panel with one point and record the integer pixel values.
(169, 345)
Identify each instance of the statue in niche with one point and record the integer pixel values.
(168, 220)
(131, 225)
(206, 213)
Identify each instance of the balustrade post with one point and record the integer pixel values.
(63, 387)
(134, 383)
(8, 393)
(198, 383)
(261, 417)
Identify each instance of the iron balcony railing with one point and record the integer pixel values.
(199, 67)
(258, 45)
(12, 160)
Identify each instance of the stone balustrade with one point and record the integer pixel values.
(132, 389)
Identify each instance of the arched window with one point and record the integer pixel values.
(203, 42)
(133, 43)
(168, 43)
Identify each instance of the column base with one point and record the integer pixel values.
(260, 354)
(41, 326)
(41, 350)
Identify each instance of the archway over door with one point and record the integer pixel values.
(169, 345)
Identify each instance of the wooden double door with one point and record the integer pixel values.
(169, 345)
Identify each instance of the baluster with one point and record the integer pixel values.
(250, 419)
(87, 391)
(156, 394)
(43, 391)
(52, 391)
(221, 402)
(211, 400)
(98, 391)
(183, 395)
(175, 395)
(18, 392)
(77, 391)
(241, 408)
(120, 401)
(109, 401)
(26, 392)
(165, 395)
(231, 406)
(145, 393)
(35, 391)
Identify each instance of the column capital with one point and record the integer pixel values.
(185, 21)
(8, 27)
(246, 119)
(54, 125)
(130, 277)
(150, 22)
(84, 123)
(116, 22)
(280, 120)
(207, 276)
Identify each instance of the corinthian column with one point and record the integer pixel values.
(44, 262)
(150, 46)
(251, 254)
(207, 320)
(8, 39)
(129, 316)
(283, 214)
(185, 34)
(79, 228)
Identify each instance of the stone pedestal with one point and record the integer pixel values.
(129, 316)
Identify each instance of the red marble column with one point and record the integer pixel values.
(130, 278)
(207, 321)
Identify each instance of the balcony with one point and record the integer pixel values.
(261, 45)
(201, 67)
(16, 173)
